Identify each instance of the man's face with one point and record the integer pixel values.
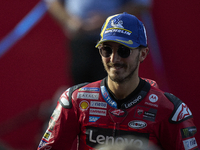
(121, 69)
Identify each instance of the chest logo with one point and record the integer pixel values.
(85, 95)
(84, 105)
(137, 124)
(93, 119)
(99, 112)
(118, 112)
(145, 113)
(153, 98)
(98, 104)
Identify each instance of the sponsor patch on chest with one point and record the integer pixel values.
(84, 105)
(98, 104)
(85, 95)
(145, 113)
(93, 119)
(137, 124)
(99, 112)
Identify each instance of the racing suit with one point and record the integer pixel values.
(90, 112)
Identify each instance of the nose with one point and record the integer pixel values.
(114, 56)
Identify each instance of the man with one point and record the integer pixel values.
(122, 108)
(81, 21)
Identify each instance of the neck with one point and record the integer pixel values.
(122, 90)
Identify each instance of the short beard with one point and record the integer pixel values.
(127, 78)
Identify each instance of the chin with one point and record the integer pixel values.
(117, 79)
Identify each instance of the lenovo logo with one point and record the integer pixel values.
(105, 140)
(102, 136)
(133, 102)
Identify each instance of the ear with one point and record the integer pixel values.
(143, 53)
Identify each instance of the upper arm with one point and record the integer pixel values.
(63, 127)
(178, 131)
(64, 123)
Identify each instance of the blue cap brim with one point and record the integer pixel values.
(126, 42)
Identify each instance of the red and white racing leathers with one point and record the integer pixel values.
(89, 112)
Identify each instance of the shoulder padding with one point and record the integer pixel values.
(175, 100)
(68, 104)
(151, 82)
(181, 112)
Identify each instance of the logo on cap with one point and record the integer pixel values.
(116, 23)
(127, 42)
(125, 29)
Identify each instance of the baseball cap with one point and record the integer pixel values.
(125, 29)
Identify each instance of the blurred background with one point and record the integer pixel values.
(35, 66)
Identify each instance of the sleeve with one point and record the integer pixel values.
(63, 126)
(178, 131)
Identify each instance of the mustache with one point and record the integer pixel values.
(110, 64)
